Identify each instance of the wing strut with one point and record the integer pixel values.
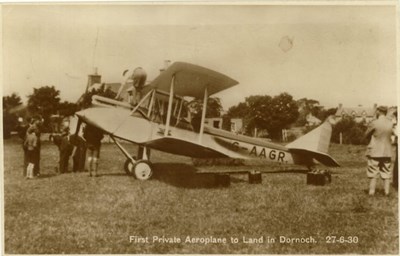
(151, 103)
(123, 150)
(171, 97)
(203, 114)
(141, 102)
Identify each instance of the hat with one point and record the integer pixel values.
(382, 109)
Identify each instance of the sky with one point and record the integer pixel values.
(330, 53)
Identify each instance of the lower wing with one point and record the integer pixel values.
(182, 147)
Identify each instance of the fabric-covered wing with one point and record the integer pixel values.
(182, 147)
(191, 80)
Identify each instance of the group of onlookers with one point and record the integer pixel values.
(74, 146)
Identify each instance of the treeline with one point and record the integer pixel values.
(268, 115)
(352, 132)
(44, 102)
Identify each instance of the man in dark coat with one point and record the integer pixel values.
(37, 125)
(22, 133)
(65, 150)
(93, 137)
(78, 153)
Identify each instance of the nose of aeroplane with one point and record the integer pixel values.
(118, 122)
(107, 119)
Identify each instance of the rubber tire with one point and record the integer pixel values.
(129, 166)
(143, 174)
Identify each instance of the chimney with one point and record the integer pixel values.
(340, 105)
(93, 79)
(375, 106)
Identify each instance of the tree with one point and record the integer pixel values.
(324, 113)
(10, 119)
(67, 108)
(306, 107)
(214, 109)
(11, 101)
(272, 114)
(241, 110)
(86, 99)
(44, 102)
(352, 132)
(266, 113)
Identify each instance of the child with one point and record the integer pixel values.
(30, 145)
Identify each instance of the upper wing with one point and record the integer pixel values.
(191, 80)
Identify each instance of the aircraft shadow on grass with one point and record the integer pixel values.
(185, 176)
(188, 176)
(113, 174)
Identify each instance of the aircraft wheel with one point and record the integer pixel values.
(129, 166)
(142, 170)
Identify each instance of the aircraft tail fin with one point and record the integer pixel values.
(316, 143)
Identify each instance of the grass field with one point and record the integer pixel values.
(73, 213)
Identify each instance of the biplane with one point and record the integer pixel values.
(161, 121)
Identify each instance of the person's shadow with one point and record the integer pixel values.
(46, 175)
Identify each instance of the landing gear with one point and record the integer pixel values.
(143, 170)
(140, 169)
(129, 166)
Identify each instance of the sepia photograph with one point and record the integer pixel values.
(200, 128)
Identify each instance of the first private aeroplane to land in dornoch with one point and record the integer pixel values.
(160, 121)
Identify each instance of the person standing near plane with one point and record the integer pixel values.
(78, 153)
(93, 137)
(396, 160)
(22, 133)
(379, 150)
(37, 124)
(65, 150)
(138, 79)
(31, 143)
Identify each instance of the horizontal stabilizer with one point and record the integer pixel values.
(324, 159)
(315, 144)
